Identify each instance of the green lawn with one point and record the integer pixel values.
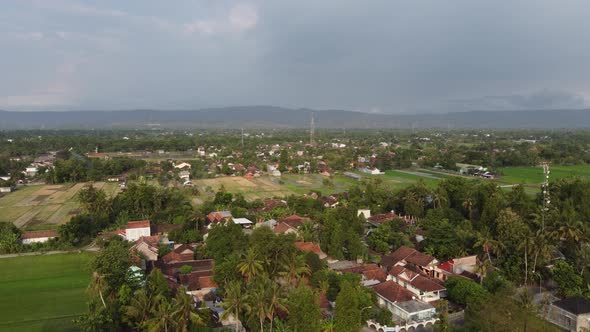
(403, 179)
(43, 293)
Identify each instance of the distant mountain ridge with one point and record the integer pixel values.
(278, 117)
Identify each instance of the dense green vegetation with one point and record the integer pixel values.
(266, 281)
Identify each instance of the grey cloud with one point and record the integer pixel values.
(390, 56)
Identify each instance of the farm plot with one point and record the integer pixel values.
(251, 188)
(43, 293)
(33, 206)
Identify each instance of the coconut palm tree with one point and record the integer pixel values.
(294, 269)
(235, 301)
(488, 244)
(184, 313)
(439, 198)
(482, 269)
(468, 204)
(571, 231)
(161, 312)
(275, 302)
(138, 310)
(250, 266)
(97, 286)
(542, 247)
(259, 299)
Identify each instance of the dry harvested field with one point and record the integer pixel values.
(251, 188)
(36, 205)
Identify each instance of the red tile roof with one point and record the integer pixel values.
(294, 218)
(207, 282)
(152, 241)
(447, 266)
(374, 272)
(138, 224)
(165, 228)
(308, 246)
(410, 255)
(393, 292)
(282, 228)
(427, 284)
(400, 254)
(39, 234)
(420, 259)
(383, 217)
(174, 257)
(415, 279)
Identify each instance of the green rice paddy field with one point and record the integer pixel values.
(43, 293)
(534, 175)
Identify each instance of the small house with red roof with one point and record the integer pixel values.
(423, 287)
(136, 229)
(409, 256)
(29, 237)
(146, 247)
(218, 216)
(403, 304)
(462, 266)
(310, 246)
(290, 224)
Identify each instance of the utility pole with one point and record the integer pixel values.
(242, 138)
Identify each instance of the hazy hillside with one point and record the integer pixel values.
(276, 117)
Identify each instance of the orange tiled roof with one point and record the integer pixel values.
(138, 224)
(39, 234)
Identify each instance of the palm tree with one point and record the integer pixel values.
(294, 269)
(275, 302)
(439, 198)
(162, 319)
(138, 310)
(97, 285)
(571, 231)
(482, 269)
(250, 266)
(307, 232)
(488, 244)
(235, 301)
(259, 299)
(184, 313)
(542, 247)
(468, 204)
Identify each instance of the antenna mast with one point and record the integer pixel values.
(311, 129)
(545, 187)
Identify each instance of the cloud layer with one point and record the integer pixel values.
(378, 56)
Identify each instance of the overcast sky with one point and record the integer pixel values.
(374, 56)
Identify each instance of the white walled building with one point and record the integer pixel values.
(38, 236)
(136, 229)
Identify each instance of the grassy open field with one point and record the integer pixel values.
(43, 293)
(535, 174)
(44, 205)
(288, 184)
